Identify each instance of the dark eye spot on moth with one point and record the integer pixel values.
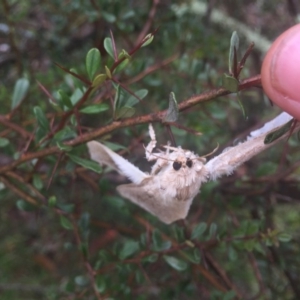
(177, 165)
(189, 163)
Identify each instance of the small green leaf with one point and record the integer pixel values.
(84, 248)
(39, 134)
(84, 221)
(95, 108)
(110, 18)
(65, 134)
(57, 105)
(212, 230)
(86, 163)
(75, 81)
(151, 258)
(52, 201)
(129, 14)
(175, 263)
(129, 248)
(92, 62)
(108, 46)
(65, 99)
(98, 80)
(77, 95)
(232, 253)
(117, 98)
(249, 245)
(41, 118)
(241, 105)
(114, 146)
(284, 237)
(100, 283)
(198, 231)
(252, 227)
(229, 295)
(132, 100)
(158, 243)
(266, 168)
(273, 136)
(148, 39)
(234, 43)
(193, 255)
(3, 142)
(124, 112)
(81, 280)
(25, 206)
(37, 181)
(123, 53)
(172, 112)
(65, 223)
(230, 83)
(122, 65)
(179, 233)
(108, 73)
(20, 91)
(63, 147)
(66, 207)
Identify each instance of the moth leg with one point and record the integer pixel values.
(149, 155)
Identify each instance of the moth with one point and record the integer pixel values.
(177, 174)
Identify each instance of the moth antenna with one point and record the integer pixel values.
(211, 153)
(152, 132)
(168, 147)
(158, 156)
(152, 143)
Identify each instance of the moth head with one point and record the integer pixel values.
(182, 163)
(185, 161)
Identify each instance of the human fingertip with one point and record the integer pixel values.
(281, 71)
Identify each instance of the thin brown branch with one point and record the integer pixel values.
(4, 121)
(244, 58)
(290, 277)
(29, 186)
(150, 118)
(221, 272)
(151, 69)
(132, 52)
(87, 265)
(65, 117)
(54, 169)
(257, 273)
(114, 45)
(210, 277)
(17, 191)
(87, 82)
(148, 23)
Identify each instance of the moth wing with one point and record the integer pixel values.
(148, 196)
(231, 158)
(104, 156)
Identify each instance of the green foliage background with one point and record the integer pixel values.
(64, 231)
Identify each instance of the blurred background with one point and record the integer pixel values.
(65, 233)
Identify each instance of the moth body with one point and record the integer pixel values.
(168, 191)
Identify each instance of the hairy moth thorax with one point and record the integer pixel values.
(179, 171)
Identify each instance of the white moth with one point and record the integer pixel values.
(176, 177)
